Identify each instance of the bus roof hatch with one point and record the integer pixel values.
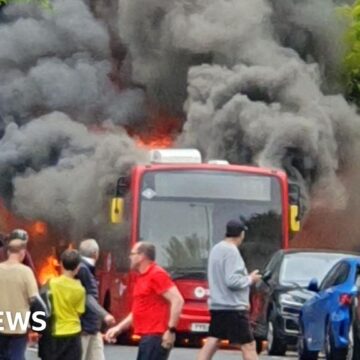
(175, 156)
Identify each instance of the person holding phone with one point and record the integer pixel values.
(229, 303)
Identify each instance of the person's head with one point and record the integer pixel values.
(142, 254)
(16, 243)
(18, 234)
(89, 248)
(16, 249)
(235, 231)
(70, 261)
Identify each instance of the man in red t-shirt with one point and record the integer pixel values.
(156, 306)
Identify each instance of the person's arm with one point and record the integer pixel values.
(80, 307)
(176, 301)
(31, 286)
(35, 301)
(93, 305)
(121, 327)
(85, 277)
(236, 277)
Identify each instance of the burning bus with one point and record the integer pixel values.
(182, 205)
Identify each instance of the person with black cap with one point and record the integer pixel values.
(229, 303)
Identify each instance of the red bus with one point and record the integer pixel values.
(182, 205)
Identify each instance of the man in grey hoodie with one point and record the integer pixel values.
(229, 302)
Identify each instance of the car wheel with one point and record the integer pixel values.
(304, 353)
(276, 343)
(350, 349)
(356, 334)
(331, 352)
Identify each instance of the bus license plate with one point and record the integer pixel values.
(199, 327)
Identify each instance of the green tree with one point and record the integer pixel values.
(352, 55)
(45, 4)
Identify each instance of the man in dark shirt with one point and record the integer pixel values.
(156, 306)
(91, 320)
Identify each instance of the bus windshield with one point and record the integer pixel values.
(184, 213)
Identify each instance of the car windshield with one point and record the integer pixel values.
(300, 268)
(184, 214)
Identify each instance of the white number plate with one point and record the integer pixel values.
(199, 327)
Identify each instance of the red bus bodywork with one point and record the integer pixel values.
(116, 286)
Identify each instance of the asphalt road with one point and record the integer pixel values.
(129, 353)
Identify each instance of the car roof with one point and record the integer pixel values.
(353, 260)
(350, 254)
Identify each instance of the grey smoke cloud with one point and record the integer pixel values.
(56, 71)
(249, 74)
(260, 74)
(166, 38)
(61, 173)
(60, 61)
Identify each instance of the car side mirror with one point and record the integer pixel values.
(313, 285)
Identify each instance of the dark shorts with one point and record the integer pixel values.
(232, 325)
(61, 348)
(150, 348)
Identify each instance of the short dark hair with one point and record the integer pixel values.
(70, 259)
(20, 234)
(148, 249)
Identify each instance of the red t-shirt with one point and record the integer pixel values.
(149, 308)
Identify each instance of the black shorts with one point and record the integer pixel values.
(232, 325)
(150, 348)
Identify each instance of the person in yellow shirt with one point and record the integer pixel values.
(68, 301)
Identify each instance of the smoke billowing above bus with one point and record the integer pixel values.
(255, 82)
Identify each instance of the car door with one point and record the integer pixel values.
(323, 303)
(356, 317)
(261, 295)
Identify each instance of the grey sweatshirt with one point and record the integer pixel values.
(229, 282)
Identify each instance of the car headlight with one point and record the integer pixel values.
(289, 305)
(287, 299)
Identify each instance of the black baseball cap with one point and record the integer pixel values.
(234, 228)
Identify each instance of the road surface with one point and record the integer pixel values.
(129, 352)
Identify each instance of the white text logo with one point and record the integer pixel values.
(16, 320)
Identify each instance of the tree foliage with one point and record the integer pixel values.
(352, 56)
(44, 4)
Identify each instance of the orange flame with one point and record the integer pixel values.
(160, 132)
(39, 228)
(48, 270)
(154, 143)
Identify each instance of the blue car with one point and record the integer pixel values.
(329, 321)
